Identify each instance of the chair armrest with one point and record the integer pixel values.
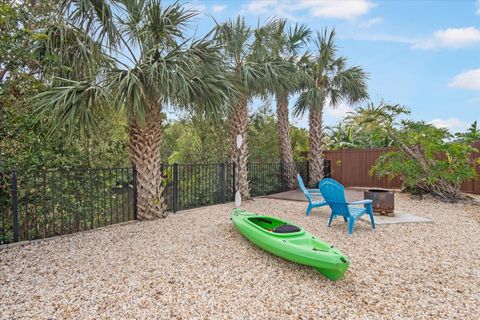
(313, 191)
(366, 201)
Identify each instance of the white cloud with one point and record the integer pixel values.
(219, 7)
(451, 38)
(339, 9)
(339, 112)
(371, 22)
(379, 37)
(272, 8)
(467, 80)
(196, 6)
(259, 7)
(450, 124)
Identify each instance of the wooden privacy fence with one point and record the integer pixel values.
(473, 186)
(351, 167)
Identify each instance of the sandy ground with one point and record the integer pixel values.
(195, 265)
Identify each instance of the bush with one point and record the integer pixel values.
(427, 162)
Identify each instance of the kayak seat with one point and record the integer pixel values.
(286, 228)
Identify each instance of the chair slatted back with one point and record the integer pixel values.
(334, 194)
(302, 187)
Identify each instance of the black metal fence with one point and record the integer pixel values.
(56, 202)
(194, 185)
(44, 204)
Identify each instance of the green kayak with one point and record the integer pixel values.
(291, 242)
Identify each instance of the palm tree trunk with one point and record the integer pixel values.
(286, 153)
(144, 143)
(315, 153)
(238, 126)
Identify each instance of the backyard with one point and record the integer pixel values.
(196, 265)
(130, 130)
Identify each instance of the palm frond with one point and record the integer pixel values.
(71, 106)
(328, 73)
(312, 98)
(351, 84)
(69, 52)
(298, 37)
(94, 16)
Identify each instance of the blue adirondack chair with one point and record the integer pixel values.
(334, 194)
(309, 193)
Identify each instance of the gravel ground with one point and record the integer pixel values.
(195, 265)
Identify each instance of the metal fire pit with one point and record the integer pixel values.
(383, 201)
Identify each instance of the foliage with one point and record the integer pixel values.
(253, 72)
(263, 135)
(250, 66)
(426, 161)
(299, 138)
(328, 79)
(449, 161)
(23, 143)
(21, 24)
(192, 139)
(149, 61)
(25, 146)
(353, 132)
(282, 46)
(471, 135)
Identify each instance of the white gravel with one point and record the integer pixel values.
(195, 265)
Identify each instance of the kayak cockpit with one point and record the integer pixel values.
(272, 225)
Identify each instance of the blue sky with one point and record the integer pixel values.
(422, 54)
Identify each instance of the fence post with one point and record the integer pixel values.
(233, 179)
(222, 182)
(282, 184)
(164, 180)
(326, 169)
(15, 206)
(135, 208)
(175, 187)
(308, 172)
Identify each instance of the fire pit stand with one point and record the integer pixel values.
(383, 201)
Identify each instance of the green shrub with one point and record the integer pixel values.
(427, 162)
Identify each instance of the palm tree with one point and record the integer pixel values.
(328, 81)
(471, 135)
(285, 44)
(139, 61)
(252, 73)
(368, 134)
(340, 136)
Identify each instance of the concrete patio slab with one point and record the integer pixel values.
(399, 217)
(353, 194)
